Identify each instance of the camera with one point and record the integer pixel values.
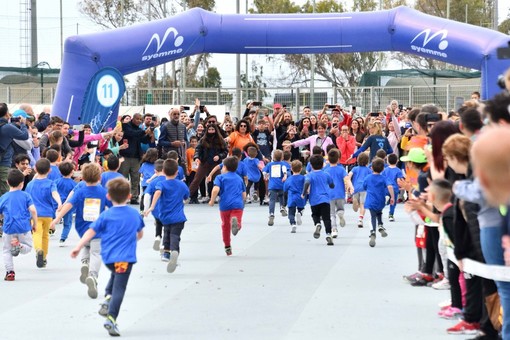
(400, 107)
(15, 119)
(201, 107)
(152, 126)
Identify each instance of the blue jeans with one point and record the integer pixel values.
(490, 239)
(292, 214)
(116, 287)
(376, 216)
(68, 222)
(273, 196)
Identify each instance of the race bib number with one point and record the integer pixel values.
(276, 171)
(91, 209)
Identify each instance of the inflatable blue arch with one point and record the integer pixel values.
(91, 85)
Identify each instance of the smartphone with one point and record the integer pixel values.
(78, 127)
(125, 141)
(154, 118)
(354, 107)
(185, 108)
(227, 113)
(256, 103)
(284, 106)
(374, 114)
(331, 106)
(201, 107)
(400, 107)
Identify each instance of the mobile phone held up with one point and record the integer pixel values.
(201, 107)
(374, 114)
(256, 103)
(331, 106)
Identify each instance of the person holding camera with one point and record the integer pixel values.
(149, 122)
(8, 132)
(134, 136)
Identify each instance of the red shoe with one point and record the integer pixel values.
(464, 327)
(9, 276)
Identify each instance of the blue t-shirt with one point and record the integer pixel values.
(276, 171)
(171, 201)
(108, 176)
(338, 174)
(180, 174)
(252, 169)
(151, 189)
(319, 186)
(91, 199)
(147, 171)
(118, 227)
(309, 166)
(294, 186)
(359, 173)
(14, 206)
(375, 185)
(241, 170)
(54, 174)
(231, 191)
(41, 190)
(392, 174)
(64, 187)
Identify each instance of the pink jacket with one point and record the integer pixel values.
(88, 138)
(312, 141)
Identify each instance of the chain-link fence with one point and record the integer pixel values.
(366, 99)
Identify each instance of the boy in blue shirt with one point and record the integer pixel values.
(171, 194)
(375, 186)
(241, 167)
(89, 201)
(44, 195)
(276, 172)
(337, 194)
(232, 191)
(113, 165)
(17, 208)
(392, 173)
(293, 186)
(53, 156)
(147, 198)
(318, 183)
(253, 166)
(172, 154)
(120, 227)
(354, 182)
(65, 185)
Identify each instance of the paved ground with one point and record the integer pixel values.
(277, 285)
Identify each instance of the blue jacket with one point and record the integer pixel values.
(8, 132)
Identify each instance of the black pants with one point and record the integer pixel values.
(116, 287)
(455, 291)
(172, 236)
(432, 251)
(322, 211)
(159, 228)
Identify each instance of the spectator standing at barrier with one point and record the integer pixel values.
(346, 144)
(8, 132)
(375, 142)
(173, 135)
(134, 136)
(241, 136)
(320, 139)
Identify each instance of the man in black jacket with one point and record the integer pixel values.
(134, 136)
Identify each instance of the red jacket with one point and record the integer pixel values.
(347, 148)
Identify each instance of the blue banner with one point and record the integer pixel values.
(102, 97)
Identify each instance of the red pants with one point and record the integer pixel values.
(226, 217)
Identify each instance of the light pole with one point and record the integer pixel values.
(312, 75)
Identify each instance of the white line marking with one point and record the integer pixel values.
(297, 19)
(293, 47)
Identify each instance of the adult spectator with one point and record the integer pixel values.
(210, 151)
(375, 142)
(8, 132)
(241, 136)
(56, 124)
(174, 136)
(470, 122)
(393, 133)
(346, 143)
(21, 146)
(90, 137)
(149, 122)
(282, 120)
(320, 139)
(356, 130)
(134, 136)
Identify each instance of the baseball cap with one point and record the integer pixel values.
(277, 106)
(19, 113)
(415, 155)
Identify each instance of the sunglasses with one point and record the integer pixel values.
(243, 125)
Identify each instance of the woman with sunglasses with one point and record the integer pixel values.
(240, 137)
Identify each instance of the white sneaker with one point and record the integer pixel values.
(62, 243)
(341, 218)
(255, 197)
(334, 233)
(360, 223)
(91, 283)
(293, 229)
(270, 222)
(157, 243)
(84, 272)
(248, 200)
(174, 255)
(299, 221)
(283, 211)
(444, 284)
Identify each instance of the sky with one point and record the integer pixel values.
(76, 23)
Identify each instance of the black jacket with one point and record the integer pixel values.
(135, 136)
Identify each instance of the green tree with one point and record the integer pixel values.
(256, 81)
(504, 27)
(274, 6)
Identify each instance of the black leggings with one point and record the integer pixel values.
(432, 251)
(322, 211)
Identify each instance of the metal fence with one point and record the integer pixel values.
(366, 99)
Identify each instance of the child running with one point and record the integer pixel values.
(171, 193)
(375, 185)
(44, 194)
(355, 184)
(392, 173)
(293, 186)
(120, 227)
(65, 185)
(318, 183)
(17, 208)
(337, 194)
(89, 201)
(148, 196)
(232, 191)
(276, 171)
